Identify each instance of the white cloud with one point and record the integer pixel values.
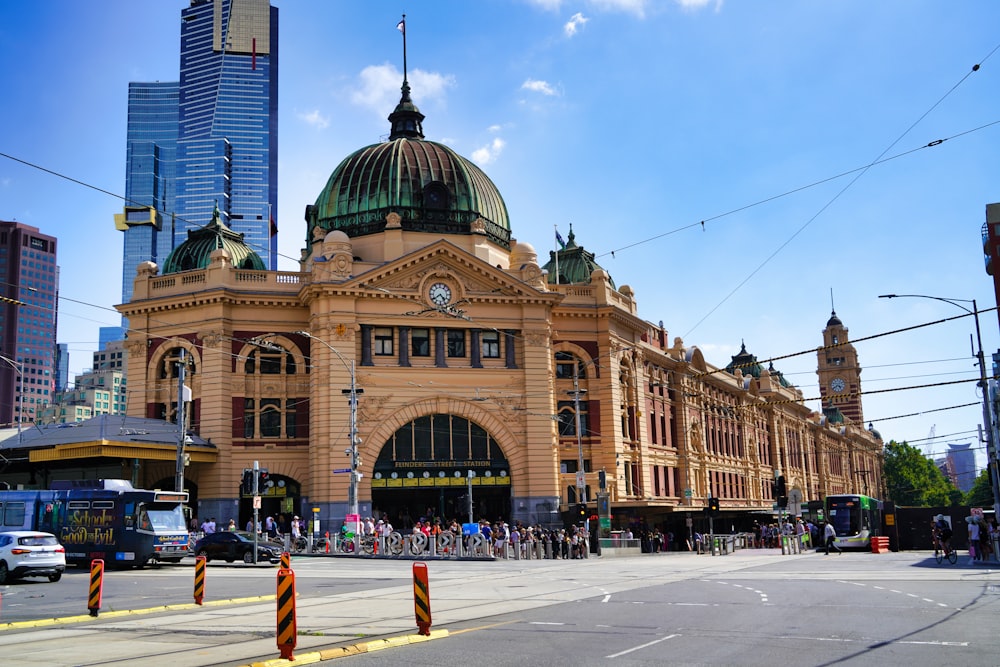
(489, 152)
(547, 5)
(575, 23)
(494, 128)
(538, 86)
(695, 5)
(314, 118)
(379, 87)
(637, 7)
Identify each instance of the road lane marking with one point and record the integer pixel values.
(640, 647)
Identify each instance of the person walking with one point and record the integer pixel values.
(830, 538)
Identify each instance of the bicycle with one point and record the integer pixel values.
(943, 550)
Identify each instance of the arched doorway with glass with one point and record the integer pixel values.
(280, 499)
(427, 468)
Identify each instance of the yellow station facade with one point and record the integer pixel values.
(482, 368)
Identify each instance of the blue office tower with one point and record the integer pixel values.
(227, 144)
(150, 150)
(210, 139)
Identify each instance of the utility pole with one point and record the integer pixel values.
(181, 431)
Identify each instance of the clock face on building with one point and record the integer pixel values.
(837, 385)
(439, 294)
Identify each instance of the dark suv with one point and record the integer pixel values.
(231, 546)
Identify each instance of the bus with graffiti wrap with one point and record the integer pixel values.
(103, 518)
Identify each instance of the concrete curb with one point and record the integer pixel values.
(347, 651)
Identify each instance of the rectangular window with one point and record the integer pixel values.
(567, 418)
(491, 345)
(13, 514)
(290, 418)
(383, 341)
(456, 342)
(420, 340)
(248, 417)
(270, 417)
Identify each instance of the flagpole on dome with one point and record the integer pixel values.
(558, 238)
(401, 26)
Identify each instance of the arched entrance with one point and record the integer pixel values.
(280, 498)
(428, 467)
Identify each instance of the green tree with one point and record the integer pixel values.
(981, 493)
(913, 480)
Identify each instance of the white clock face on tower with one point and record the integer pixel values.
(837, 385)
(439, 294)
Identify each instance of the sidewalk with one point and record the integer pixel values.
(240, 632)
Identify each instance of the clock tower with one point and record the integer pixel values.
(839, 372)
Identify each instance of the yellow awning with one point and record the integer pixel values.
(120, 450)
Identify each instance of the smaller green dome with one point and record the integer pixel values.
(572, 264)
(196, 251)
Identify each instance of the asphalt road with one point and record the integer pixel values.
(749, 608)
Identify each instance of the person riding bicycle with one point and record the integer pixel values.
(942, 533)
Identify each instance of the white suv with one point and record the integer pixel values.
(28, 553)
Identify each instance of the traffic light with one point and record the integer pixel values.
(247, 483)
(780, 492)
(262, 477)
(713, 506)
(581, 511)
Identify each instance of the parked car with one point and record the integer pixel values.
(230, 546)
(28, 553)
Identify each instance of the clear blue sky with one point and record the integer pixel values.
(630, 119)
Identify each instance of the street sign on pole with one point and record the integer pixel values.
(337, 471)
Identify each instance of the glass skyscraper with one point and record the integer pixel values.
(211, 139)
(150, 149)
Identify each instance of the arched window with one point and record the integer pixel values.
(269, 362)
(268, 410)
(564, 366)
(436, 195)
(170, 362)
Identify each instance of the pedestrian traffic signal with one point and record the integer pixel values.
(713, 506)
(262, 477)
(779, 486)
(247, 483)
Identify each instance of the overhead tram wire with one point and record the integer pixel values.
(859, 174)
(877, 161)
(701, 223)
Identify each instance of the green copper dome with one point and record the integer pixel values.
(431, 187)
(574, 264)
(747, 363)
(196, 251)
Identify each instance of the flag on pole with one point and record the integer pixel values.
(560, 241)
(401, 26)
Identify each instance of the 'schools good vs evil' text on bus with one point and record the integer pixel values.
(103, 518)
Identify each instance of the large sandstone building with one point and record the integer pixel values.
(481, 369)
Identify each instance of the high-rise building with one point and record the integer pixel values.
(62, 366)
(209, 140)
(108, 335)
(30, 287)
(959, 465)
(150, 148)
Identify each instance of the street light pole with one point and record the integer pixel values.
(352, 451)
(581, 485)
(991, 452)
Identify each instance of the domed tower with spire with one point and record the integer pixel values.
(839, 373)
(197, 251)
(388, 197)
(572, 264)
